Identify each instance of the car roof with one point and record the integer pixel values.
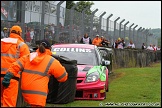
(89, 46)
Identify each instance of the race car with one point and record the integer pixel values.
(92, 77)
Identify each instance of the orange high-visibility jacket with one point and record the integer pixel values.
(36, 69)
(12, 48)
(96, 41)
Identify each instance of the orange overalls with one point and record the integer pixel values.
(96, 41)
(12, 48)
(36, 69)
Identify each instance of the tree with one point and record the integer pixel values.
(69, 4)
(77, 14)
(81, 6)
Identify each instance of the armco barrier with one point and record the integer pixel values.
(134, 57)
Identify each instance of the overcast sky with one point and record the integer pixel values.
(146, 14)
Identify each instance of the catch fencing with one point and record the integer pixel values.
(60, 25)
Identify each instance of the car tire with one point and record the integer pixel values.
(107, 89)
(105, 95)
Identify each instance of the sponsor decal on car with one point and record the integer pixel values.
(71, 50)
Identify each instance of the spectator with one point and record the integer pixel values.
(115, 44)
(104, 42)
(50, 37)
(4, 33)
(86, 39)
(131, 44)
(158, 48)
(154, 47)
(32, 36)
(123, 42)
(28, 38)
(36, 68)
(150, 47)
(120, 44)
(52, 28)
(143, 46)
(96, 41)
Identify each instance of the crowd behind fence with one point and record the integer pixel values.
(75, 25)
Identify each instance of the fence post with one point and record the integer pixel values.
(130, 31)
(125, 28)
(115, 27)
(138, 35)
(150, 38)
(23, 19)
(58, 20)
(120, 27)
(91, 27)
(107, 26)
(146, 34)
(133, 39)
(101, 22)
(71, 21)
(142, 36)
(42, 21)
(83, 18)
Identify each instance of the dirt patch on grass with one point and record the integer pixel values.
(154, 64)
(114, 75)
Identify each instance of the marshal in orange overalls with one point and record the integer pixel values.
(12, 48)
(36, 69)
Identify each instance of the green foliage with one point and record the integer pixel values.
(157, 32)
(81, 6)
(69, 4)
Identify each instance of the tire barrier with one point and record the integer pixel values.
(61, 93)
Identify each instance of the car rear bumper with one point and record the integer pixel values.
(90, 91)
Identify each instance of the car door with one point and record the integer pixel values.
(107, 54)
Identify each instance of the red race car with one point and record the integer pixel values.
(92, 78)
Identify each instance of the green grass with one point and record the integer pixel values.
(128, 85)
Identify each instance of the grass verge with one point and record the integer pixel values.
(128, 86)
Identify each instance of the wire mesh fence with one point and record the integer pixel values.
(52, 21)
